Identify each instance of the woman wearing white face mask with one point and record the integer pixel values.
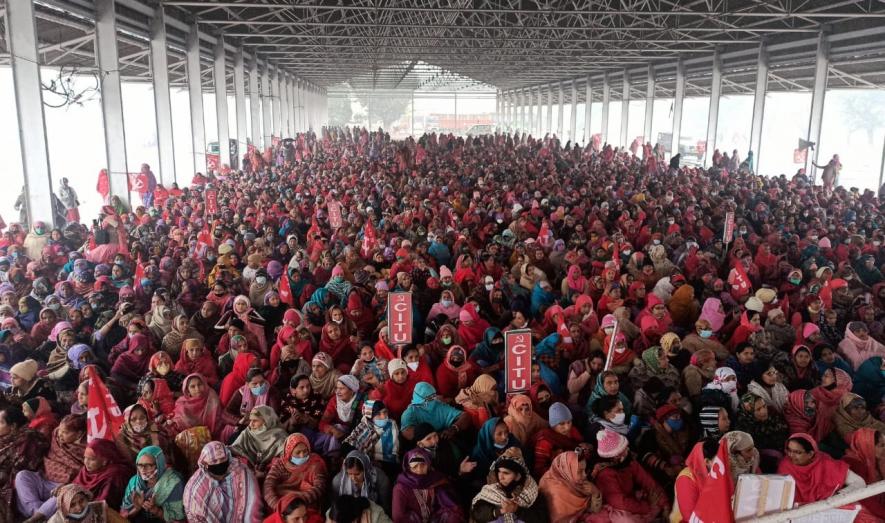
(75, 504)
(260, 286)
(722, 391)
(610, 414)
(155, 491)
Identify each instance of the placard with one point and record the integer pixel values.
(334, 209)
(399, 317)
(518, 360)
(728, 233)
(212, 201)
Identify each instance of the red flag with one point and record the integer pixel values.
(369, 239)
(740, 283)
(544, 236)
(286, 291)
(139, 274)
(616, 257)
(103, 415)
(714, 501)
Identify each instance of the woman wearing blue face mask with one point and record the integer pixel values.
(493, 439)
(663, 449)
(377, 435)
(296, 474)
(256, 392)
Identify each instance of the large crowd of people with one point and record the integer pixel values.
(239, 328)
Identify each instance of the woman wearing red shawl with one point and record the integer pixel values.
(195, 359)
(105, 472)
(198, 406)
(338, 346)
(130, 366)
(296, 474)
(396, 393)
(446, 338)
(582, 311)
(817, 475)
(471, 327)
(156, 398)
(623, 356)
(232, 382)
(802, 415)
(574, 283)
(39, 412)
(360, 315)
(866, 458)
(750, 323)
(834, 384)
(656, 309)
(455, 373)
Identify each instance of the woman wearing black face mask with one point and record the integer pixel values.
(222, 489)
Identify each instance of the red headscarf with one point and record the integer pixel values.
(108, 482)
(472, 334)
(204, 365)
(203, 410)
(817, 480)
(798, 421)
(237, 377)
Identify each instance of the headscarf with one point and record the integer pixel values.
(168, 482)
(108, 481)
(817, 480)
(525, 493)
(739, 441)
(204, 410)
(560, 485)
(485, 451)
(711, 313)
(130, 365)
(862, 450)
(203, 365)
(846, 425)
(234, 498)
(719, 377)
(523, 427)
(63, 461)
(65, 496)
(369, 488)
(412, 481)
(259, 448)
(324, 386)
(482, 392)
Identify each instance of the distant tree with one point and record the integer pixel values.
(340, 112)
(864, 110)
(388, 109)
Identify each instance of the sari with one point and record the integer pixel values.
(286, 481)
(167, 493)
(233, 498)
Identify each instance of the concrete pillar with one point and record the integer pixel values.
(759, 102)
(549, 129)
(254, 102)
(588, 97)
(815, 122)
(573, 133)
(162, 98)
(219, 72)
(649, 105)
(713, 114)
(606, 100)
(560, 125)
(284, 106)
(291, 89)
(625, 109)
(678, 98)
(195, 97)
(267, 119)
(111, 94)
(240, 101)
(21, 40)
(275, 101)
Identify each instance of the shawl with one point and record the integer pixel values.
(64, 460)
(861, 455)
(159, 325)
(204, 365)
(44, 419)
(683, 307)
(236, 497)
(472, 334)
(776, 399)
(846, 425)
(817, 480)
(711, 313)
(525, 494)
(482, 392)
(369, 488)
(324, 386)
(298, 479)
(167, 492)
(107, 483)
(127, 438)
(856, 350)
(237, 377)
(65, 496)
(738, 441)
(57, 364)
(523, 427)
(485, 452)
(340, 350)
(576, 281)
(828, 400)
(259, 448)
(131, 366)
(172, 342)
(599, 391)
(799, 420)
(204, 410)
(567, 491)
(869, 381)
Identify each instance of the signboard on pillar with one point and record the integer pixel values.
(728, 232)
(399, 317)
(517, 361)
(212, 162)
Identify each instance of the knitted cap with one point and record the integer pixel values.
(766, 295)
(559, 413)
(445, 271)
(350, 381)
(611, 443)
(26, 370)
(395, 365)
(754, 304)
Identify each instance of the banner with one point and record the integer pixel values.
(104, 418)
(799, 156)
(212, 162)
(370, 241)
(334, 209)
(212, 201)
(399, 318)
(728, 232)
(286, 290)
(517, 360)
(714, 501)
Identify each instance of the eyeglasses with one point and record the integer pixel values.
(145, 466)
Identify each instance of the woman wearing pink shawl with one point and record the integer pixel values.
(222, 489)
(130, 366)
(712, 312)
(471, 326)
(198, 406)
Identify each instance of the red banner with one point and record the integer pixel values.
(728, 232)
(370, 241)
(517, 360)
(212, 162)
(399, 318)
(104, 418)
(212, 201)
(714, 502)
(334, 209)
(286, 291)
(800, 155)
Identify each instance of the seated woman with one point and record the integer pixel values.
(40, 416)
(298, 511)
(422, 495)
(692, 479)
(323, 376)
(664, 448)
(568, 493)
(198, 418)
(866, 458)
(561, 436)
(155, 397)
(262, 440)
(105, 472)
(523, 422)
(296, 474)
(161, 367)
(221, 485)
(132, 364)
(743, 456)
(510, 493)
(196, 359)
(479, 400)
(626, 487)
(869, 381)
(766, 384)
(60, 465)
(154, 494)
(26, 384)
(75, 504)
(802, 415)
(396, 391)
(138, 432)
(356, 510)
(359, 478)
(654, 364)
(817, 475)
(608, 413)
(802, 373)
(766, 426)
(340, 416)
(426, 408)
(493, 439)
(254, 393)
(608, 384)
(455, 373)
(853, 415)
(376, 435)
